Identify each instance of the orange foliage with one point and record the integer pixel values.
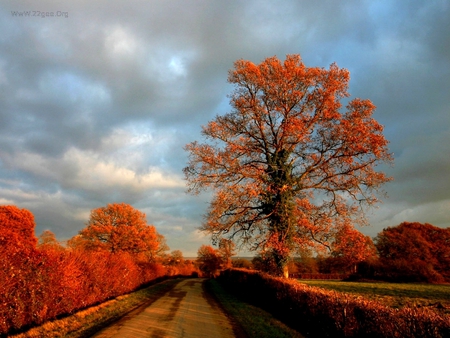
(351, 247)
(47, 241)
(227, 249)
(119, 228)
(208, 260)
(17, 227)
(415, 252)
(287, 165)
(326, 313)
(177, 265)
(43, 281)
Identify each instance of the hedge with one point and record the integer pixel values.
(319, 312)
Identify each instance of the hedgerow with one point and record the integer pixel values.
(46, 281)
(323, 313)
(36, 286)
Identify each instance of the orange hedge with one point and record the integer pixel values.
(323, 313)
(39, 285)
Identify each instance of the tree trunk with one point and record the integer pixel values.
(281, 262)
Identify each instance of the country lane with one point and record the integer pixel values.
(185, 311)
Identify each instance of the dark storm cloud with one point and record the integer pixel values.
(96, 107)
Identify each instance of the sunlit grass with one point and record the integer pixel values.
(86, 322)
(396, 295)
(253, 320)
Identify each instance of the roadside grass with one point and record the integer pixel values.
(396, 295)
(254, 321)
(87, 322)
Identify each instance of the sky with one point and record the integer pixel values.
(98, 99)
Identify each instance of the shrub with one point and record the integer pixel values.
(329, 313)
(42, 281)
(46, 284)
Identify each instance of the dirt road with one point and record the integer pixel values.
(185, 311)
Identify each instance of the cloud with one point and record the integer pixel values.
(96, 107)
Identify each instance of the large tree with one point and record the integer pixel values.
(288, 164)
(119, 227)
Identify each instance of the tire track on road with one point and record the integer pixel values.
(183, 311)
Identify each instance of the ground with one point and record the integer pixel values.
(184, 311)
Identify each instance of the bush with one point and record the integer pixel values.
(43, 281)
(47, 284)
(328, 313)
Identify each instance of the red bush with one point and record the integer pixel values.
(40, 283)
(328, 313)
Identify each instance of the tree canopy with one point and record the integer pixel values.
(420, 252)
(119, 227)
(288, 165)
(17, 227)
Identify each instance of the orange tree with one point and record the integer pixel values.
(414, 252)
(208, 260)
(287, 164)
(351, 247)
(226, 251)
(119, 227)
(17, 227)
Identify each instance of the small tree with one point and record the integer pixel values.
(226, 251)
(287, 165)
(242, 263)
(175, 258)
(208, 260)
(351, 247)
(47, 241)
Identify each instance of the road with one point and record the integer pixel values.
(185, 311)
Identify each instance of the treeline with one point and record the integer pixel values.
(409, 252)
(41, 280)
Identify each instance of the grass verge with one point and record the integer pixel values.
(86, 322)
(254, 321)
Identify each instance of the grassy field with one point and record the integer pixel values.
(393, 294)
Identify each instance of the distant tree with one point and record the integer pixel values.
(175, 258)
(120, 228)
(162, 247)
(305, 261)
(47, 241)
(208, 260)
(287, 166)
(351, 247)
(415, 252)
(242, 263)
(226, 251)
(264, 261)
(78, 243)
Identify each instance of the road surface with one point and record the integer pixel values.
(185, 311)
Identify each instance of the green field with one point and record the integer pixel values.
(396, 295)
